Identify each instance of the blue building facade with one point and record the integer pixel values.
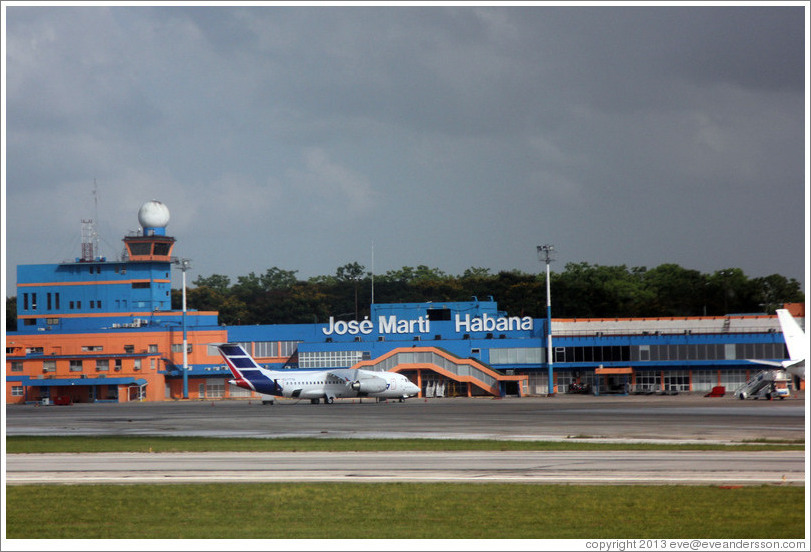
(105, 330)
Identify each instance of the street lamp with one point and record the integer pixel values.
(184, 264)
(545, 254)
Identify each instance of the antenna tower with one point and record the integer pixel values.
(90, 237)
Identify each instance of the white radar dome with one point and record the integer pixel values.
(153, 214)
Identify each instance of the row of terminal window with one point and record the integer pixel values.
(128, 349)
(53, 302)
(77, 365)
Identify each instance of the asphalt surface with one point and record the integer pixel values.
(670, 419)
(692, 418)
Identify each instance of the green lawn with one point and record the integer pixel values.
(33, 444)
(401, 511)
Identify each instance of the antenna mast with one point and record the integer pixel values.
(90, 237)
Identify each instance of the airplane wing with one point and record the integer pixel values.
(774, 363)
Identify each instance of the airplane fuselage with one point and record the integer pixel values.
(328, 384)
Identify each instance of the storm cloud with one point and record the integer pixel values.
(452, 136)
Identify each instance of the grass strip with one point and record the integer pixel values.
(52, 444)
(402, 511)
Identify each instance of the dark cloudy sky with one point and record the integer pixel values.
(453, 137)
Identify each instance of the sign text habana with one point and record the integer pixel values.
(392, 325)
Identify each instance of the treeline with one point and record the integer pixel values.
(581, 290)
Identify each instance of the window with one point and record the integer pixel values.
(439, 314)
(178, 348)
(329, 359)
(49, 366)
(129, 349)
(215, 389)
(732, 379)
(57, 301)
(92, 348)
(517, 355)
(52, 321)
(288, 348)
(140, 248)
(141, 285)
(266, 349)
(102, 365)
(677, 380)
(16, 390)
(137, 364)
(49, 301)
(16, 366)
(25, 301)
(76, 366)
(153, 348)
(648, 380)
(117, 365)
(34, 350)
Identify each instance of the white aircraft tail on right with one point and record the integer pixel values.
(796, 344)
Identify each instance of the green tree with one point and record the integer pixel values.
(11, 314)
(670, 290)
(216, 282)
(775, 290)
(351, 274)
(275, 278)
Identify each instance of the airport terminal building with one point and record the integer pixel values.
(94, 330)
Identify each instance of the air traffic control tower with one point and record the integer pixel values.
(94, 293)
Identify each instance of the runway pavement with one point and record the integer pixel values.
(677, 419)
(642, 418)
(541, 467)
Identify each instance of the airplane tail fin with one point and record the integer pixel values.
(247, 373)
(793, 334)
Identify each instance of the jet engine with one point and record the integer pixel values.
(368, 385)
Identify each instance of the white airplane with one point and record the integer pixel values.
(311, 384)
(795, 343)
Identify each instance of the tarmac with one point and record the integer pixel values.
(685, 418)
(632, 418)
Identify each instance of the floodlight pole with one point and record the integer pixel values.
(185, 264)
(544, 254)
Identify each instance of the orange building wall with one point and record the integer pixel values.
(152, 345)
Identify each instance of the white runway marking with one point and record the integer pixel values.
(579, 467)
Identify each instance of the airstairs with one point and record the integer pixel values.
(765, 384)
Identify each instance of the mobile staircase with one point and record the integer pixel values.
(767, 384)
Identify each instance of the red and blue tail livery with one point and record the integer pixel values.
(247, 373)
